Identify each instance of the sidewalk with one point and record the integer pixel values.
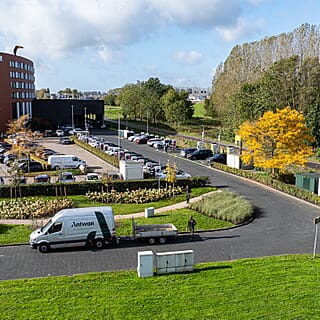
(180, 205)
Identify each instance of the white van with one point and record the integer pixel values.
(64, 161)
(76, 227)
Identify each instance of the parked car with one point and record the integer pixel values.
(129, 154)
(9, 158)
(179, 174)
(41, 178)
(150, 142)
(184, 152)
(18, 180)
(218, 157)
(114, 176)
(65, 140)
(92, 176)
(48, 133)
(131, 138)
(141, 140)
(200, 154)
(75, 130)
(32, 166)
(66, 177)
(60, 133)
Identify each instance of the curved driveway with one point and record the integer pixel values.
(282, 225)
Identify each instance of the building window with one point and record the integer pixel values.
(1, 58)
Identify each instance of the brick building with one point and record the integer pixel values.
(17, 89)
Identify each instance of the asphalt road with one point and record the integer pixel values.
(282, 225)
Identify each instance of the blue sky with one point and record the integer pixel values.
(104, 44)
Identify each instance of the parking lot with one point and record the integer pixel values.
(94, 163)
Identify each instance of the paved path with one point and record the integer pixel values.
(39, 222)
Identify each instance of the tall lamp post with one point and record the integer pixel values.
(119, 128)
(202, 137)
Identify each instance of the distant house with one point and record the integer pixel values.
(195, 94)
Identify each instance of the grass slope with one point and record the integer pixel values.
(265, 288)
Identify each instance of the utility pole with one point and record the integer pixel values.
(202, 137)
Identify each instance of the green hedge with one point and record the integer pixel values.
(102, 155)
(271, 182)
(81, 188)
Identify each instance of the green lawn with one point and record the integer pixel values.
(14, 233)
(81, 201)
(20, 233)
(199, 110)
(10, 234)
(265, 288)
(178, 217)
(112, 112)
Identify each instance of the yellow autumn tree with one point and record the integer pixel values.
(277, 140)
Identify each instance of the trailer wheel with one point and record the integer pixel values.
(44, 247)
(151, 240)
(99, 244)
(162, 240)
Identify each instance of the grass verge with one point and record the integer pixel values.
(10, 233)
(178, 217)
(265, 288)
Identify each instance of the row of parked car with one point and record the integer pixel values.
(204, 154)
(151, 167)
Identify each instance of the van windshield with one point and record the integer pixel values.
(46, 226)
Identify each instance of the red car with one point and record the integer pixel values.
(142, 140)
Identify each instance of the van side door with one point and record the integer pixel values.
(56, 235)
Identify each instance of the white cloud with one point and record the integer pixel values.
(59, 28)
(188, 57)
(241, 29)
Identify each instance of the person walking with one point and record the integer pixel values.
(191, 224)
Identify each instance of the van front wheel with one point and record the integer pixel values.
(99, 244)
(44, 248)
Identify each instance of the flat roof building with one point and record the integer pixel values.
(17, 89)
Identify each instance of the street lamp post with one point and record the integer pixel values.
(202, 137)
(119, 128)
(147, 121)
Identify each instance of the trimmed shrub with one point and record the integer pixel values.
(29, 209)
(224, 206)
(133, 196)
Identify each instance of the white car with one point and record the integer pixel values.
(133, 137)
(60, 133)
(66, 177)
(150, 142)
(179, 174)
(75, 130)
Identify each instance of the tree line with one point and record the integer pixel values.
(268, 75)
(151, 100)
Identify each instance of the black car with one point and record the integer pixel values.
(200, 154)
(184, 152)
(33, 166)
(218, 157)
(41, 178)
